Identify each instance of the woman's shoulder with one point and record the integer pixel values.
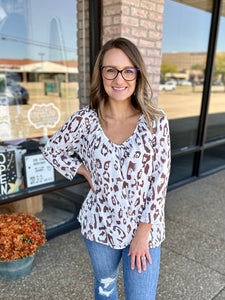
(158, 117)
(161, 116)
(161, 124)
(158, 122)
(84, 113)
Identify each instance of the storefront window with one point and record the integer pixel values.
(181, 168)
(214, 158)
(43, 59)
(186, 28)
(216, 117)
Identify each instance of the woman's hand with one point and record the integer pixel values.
(82, 170)
(139, 250)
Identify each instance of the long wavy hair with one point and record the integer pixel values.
(142, 96)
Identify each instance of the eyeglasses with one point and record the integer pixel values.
(111, 73)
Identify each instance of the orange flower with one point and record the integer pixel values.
(20, 235)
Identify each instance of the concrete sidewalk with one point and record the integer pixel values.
(193, 255)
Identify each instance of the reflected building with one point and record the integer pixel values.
(185, 60)
(56, 39)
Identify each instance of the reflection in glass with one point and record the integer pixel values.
(216, 117)
(213, 158)
(38, 92)
(185, 41)
(181, 168)
(38, 64)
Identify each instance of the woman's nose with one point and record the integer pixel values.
(119, 77)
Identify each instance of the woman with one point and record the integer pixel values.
(124, 146)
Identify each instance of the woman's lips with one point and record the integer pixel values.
(119, 89)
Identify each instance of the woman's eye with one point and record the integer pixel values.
(129, 71)
(111, 71)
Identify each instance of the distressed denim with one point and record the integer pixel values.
(105, 262)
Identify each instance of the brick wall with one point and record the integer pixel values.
(141, 22)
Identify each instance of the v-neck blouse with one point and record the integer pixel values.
(130, 179)
(125, 141)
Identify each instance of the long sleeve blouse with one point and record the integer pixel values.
(130, 179)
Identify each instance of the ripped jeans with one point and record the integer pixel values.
(105, 262)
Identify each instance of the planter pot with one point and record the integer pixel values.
(18, 268)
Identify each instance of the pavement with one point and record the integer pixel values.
(192, 258)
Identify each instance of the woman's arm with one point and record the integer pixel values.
(155, 202)
(139, 247)
(60, 147)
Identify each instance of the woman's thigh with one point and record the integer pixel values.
(141, 285)
(105, 262)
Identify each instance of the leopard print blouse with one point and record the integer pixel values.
(130, 179)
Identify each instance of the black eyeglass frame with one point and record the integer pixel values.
(120, 71)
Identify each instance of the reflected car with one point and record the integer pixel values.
(16, 93)
(217, 82)
(12, 95)
(25, 95)
(167, 86)
(185, 82)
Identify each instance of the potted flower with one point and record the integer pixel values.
(21, 235)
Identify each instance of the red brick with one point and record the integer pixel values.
(107, 21)
(154, 53)
(159, 26)
(125, 10)
(155, 35)
(149, 61)
(112, 30)
(143, 51)
(112, 10)
(116, 20)
(146, 43)
(133, 40)
(153, 70)
(160, 8)
(139, 32)
(158, 44)
(130, 21)
(154, 85)
(125, 30)
(148, 5)
(135, 3)
(147, 24)
(155, 16)
(137, 12)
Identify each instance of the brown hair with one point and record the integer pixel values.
(142, 97)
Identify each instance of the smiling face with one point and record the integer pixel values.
(118, 89)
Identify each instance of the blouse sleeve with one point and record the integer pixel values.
(63, 144)
(155, 201)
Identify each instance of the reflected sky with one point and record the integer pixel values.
(186, 29)
(27, 31)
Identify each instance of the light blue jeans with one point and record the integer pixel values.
(105, 262)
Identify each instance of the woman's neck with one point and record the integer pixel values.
(119, 110)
